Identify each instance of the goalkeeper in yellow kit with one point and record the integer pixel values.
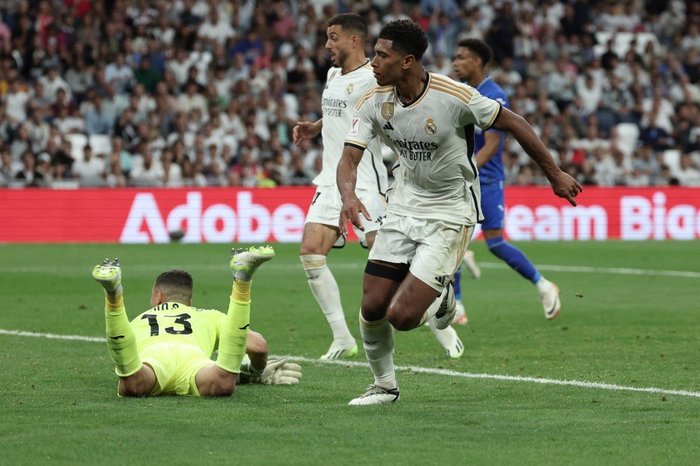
(167, 349)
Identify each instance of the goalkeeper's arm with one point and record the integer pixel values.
(257, 369)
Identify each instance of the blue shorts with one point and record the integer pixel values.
(493, 205)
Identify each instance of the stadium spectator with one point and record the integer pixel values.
(29, 175)
(8, 167)
(119, 73)
(164, 354)
(688, 172)
(147, 169)
(428, 223)
(20, 143)
(37, 129)
(98, 119)
(90, 169)
(16, 101)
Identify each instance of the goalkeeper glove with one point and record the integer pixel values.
(277, 372)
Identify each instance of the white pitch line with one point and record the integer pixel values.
(606, 270)
(361, 265)
(52, 336)
(416, 369)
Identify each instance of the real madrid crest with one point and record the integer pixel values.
(349, 89)
(430, 127)
(387, 110)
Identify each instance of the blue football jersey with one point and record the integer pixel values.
(492, 171)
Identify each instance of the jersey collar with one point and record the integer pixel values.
(419, 96)
(354, 69)
(481, 84)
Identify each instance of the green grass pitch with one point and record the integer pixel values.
(630, 318)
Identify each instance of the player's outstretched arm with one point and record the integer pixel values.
(562, 183)
(346, 178)
(306, 130)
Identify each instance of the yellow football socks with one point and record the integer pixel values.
(120, 337)
(232, 341)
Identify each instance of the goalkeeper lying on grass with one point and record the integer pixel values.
(167, 349)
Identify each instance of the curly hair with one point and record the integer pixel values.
(406, 36)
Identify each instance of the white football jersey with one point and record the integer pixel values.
(435, 175)
(339, 98)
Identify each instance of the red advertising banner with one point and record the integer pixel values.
(227, 215)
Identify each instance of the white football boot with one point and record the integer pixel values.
(549, 295)
(376, 395)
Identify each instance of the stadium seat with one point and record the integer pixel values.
(78, 142)
(672, 158)
(65, 184)
(628, 133)
(92, 182)
(101, 144)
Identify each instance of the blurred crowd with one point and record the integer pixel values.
(206, 92)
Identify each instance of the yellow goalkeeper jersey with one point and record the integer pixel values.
(178, 323)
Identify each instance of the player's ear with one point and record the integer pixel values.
(157, 296)
(408, 61)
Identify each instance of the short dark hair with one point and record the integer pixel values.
(479, 48)
(405, 36)
(351, 22)
(176, 285)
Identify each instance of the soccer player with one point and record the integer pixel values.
(427, 119)
(469, 64)
(349, 79)
(167, 349)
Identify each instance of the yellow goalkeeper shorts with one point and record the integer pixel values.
(176, 365)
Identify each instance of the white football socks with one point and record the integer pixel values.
(378, 341)
(325, 290)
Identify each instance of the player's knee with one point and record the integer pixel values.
(494, 243)
(313, 264)
(371, 312)
(401, 320)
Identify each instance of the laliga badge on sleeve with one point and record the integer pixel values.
(354, 127)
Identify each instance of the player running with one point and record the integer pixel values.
(469, 64)
(429, 120)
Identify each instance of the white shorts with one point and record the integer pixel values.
(433, 248)
(326, 203)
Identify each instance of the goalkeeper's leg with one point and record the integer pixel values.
(220, 379)
(135, 378)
